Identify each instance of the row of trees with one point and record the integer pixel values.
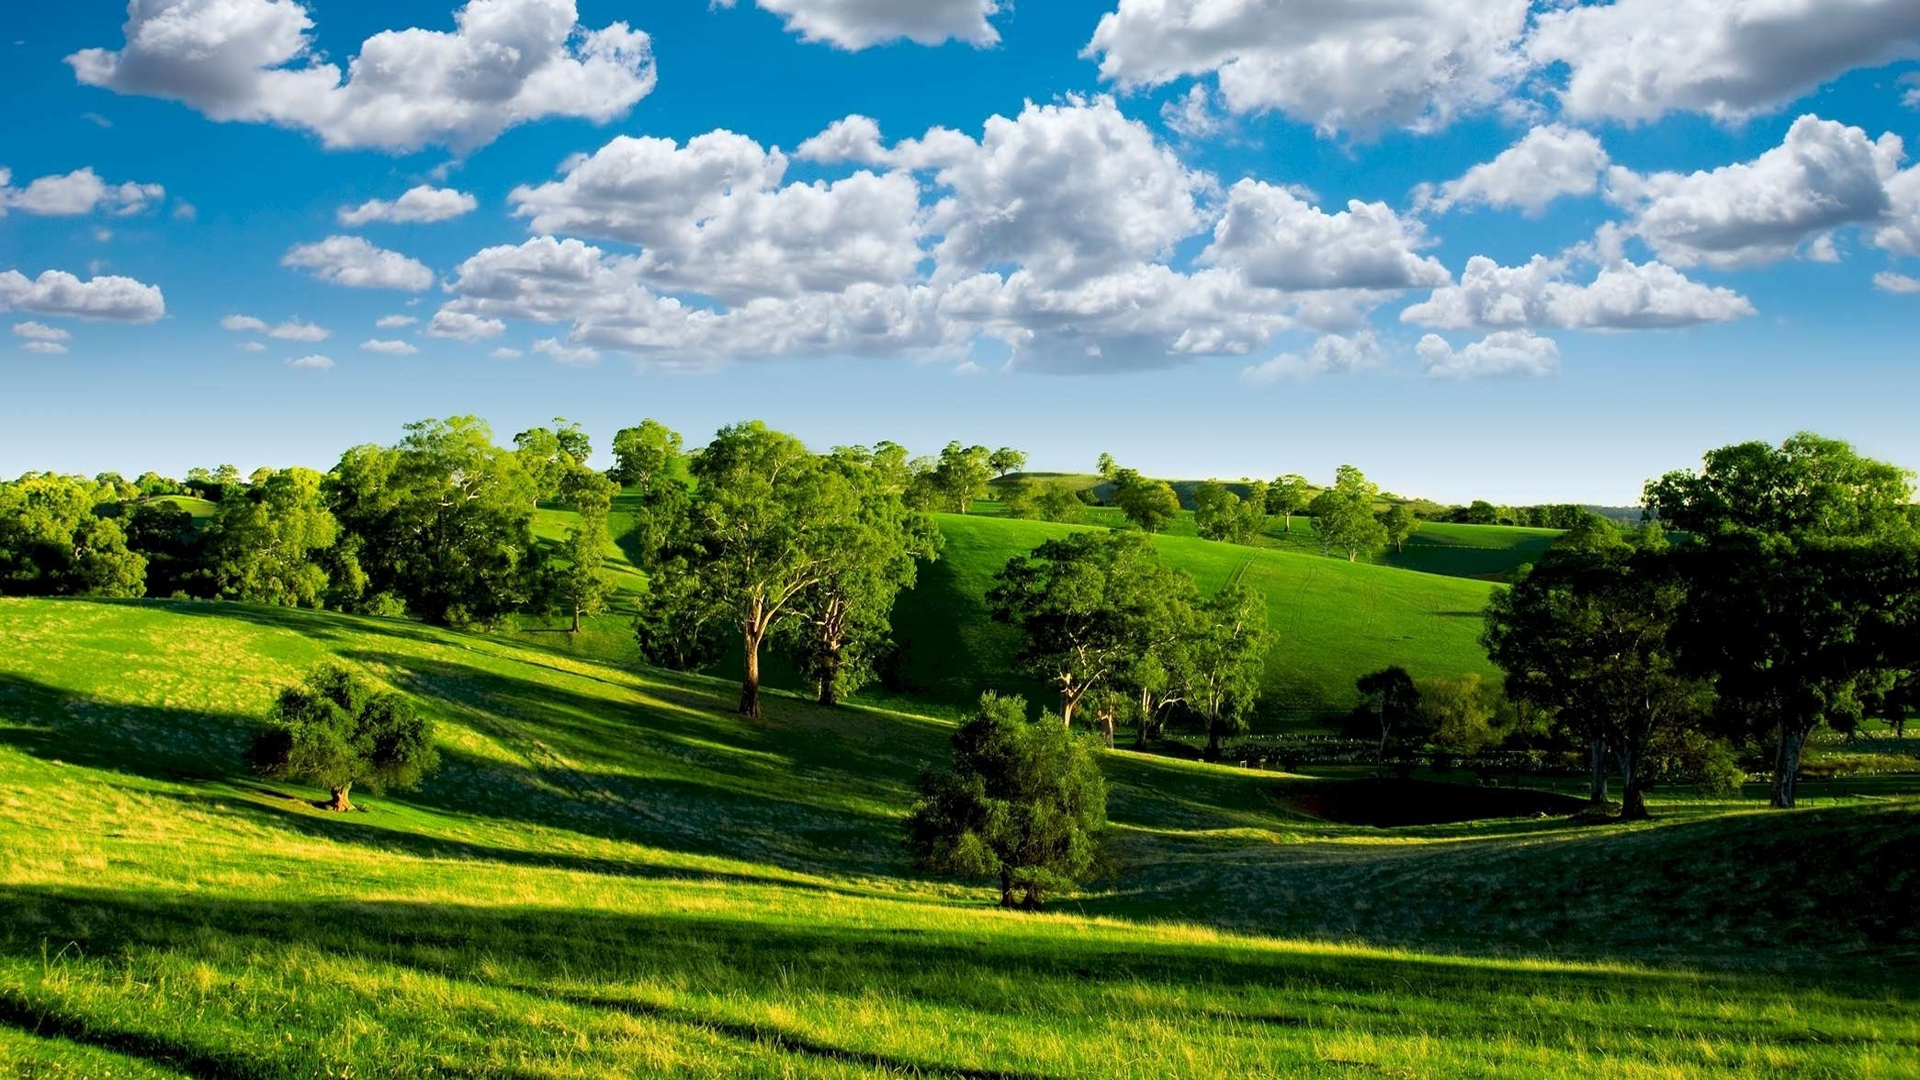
(1121, 635)
(1776, 590)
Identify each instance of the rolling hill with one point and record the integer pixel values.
(613, 876)
(1333, 620)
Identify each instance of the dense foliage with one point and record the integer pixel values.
(337, 730)
(1025, 803)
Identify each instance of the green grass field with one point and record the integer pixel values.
(611, 876)
(1333, 621)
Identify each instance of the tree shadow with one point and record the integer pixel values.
(613, 955)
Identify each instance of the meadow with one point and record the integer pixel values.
(612, 875)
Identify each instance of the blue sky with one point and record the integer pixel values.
(1244, 238)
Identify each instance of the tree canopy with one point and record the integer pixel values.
(1025, 802)
(337, 730)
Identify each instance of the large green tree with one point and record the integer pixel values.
(1286, 497)
(1389, 707)
(1795, 556)
(1399, 525)
(644, 453)
(843, 620)
(442, 522)
(583, 585)
(766, 523)
(337, 730)
(1219, 514)
(1591, 634)
(1025, 803)
(1007, 460)
(550, 456)
(55, 540)
(1226, 658)
(1343, 515)
(267, 541)
(1150, 504)
(1081, 602)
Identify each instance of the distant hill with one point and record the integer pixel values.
(1334, 620)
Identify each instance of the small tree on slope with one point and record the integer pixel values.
(336, 730)
(1025, 802)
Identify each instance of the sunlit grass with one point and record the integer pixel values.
(613, 876)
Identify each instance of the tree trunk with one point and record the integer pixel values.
(1633, 796)
(576, 622)
(750, 682)
(339, 802)
(1106, 722)
(1213, 743)
(1007, 899)
(1786, 767)
(1146, 722)
(829, 693)
(1597, 791)
(1032, 902)
(1289, 517)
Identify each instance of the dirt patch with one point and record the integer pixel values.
(1389, 803)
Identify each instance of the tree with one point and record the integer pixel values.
(1225, 660)
(1286, 497)
(1019, 499)
(1058, 501)
(336, 730)
(266, 542)
(165, 535)
(1343, 515)
(645, 453)
(1590, 633)
(1219, 514)
(443, 521)
(1080, 602)
(584, 586)
(1463, 714)
(1390, 704)
(1150, 504)
(844, 616)
(766, 522)
(961, 476)
(1105, 466)
(1007, 460)
(55, 542)
(1794, 555)
(1399, 523)
(550, 457)
(1025, 803)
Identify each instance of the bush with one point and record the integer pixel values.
(1025, 802)
(336, 730)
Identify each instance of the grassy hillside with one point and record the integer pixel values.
(611, 876)
(1486, 552)
(1334, 621)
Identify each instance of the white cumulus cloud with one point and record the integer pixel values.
(1888, 281)
(505, 63)
(389, 347)
(311, 363)
(76, 193)
(1507, 352)
(1281, 241)
(860, 24)
(1330, 353)
(1549, 162)
(1823, 175)
(56, 292)
(356, 263)
(1356, 65)
(1638, 60)
(422, 204)
(1622, 296)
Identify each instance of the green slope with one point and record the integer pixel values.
(613, 876)
(1487, 552)
(1334, 621)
